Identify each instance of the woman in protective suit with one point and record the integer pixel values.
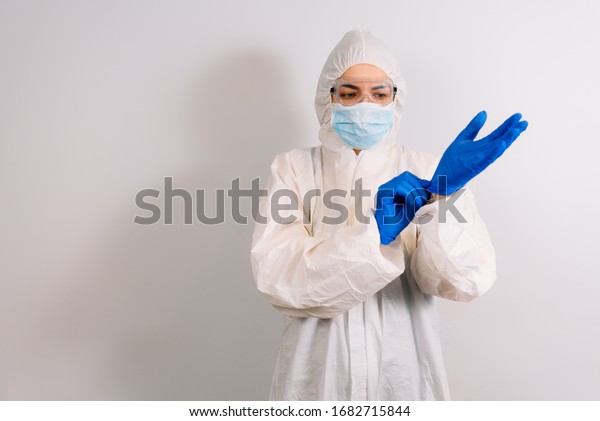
(355, 266)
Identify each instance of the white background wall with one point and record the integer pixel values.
(102, 99)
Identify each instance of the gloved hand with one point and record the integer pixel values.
(465, 158)
(397, 202)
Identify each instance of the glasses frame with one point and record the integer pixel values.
(339, 82)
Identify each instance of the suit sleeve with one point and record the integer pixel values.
(454, 257)
(316, 276)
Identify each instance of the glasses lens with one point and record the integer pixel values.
(353, 92)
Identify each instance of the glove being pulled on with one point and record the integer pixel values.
(467, 157)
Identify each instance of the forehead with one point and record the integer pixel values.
(363, 71)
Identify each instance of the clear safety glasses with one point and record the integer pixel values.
(348, 92)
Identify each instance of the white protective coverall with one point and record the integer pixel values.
(360, 321)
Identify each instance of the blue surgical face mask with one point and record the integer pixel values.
(362, 125)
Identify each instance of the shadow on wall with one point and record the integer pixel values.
(171, 312)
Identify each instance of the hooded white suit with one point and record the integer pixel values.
(360, 318)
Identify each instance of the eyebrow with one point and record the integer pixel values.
(349, 85)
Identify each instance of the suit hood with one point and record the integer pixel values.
(358, 46)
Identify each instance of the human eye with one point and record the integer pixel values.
(347, 93)
(381, 94)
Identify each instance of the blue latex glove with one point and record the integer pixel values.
(465, 157)
(397, 202)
